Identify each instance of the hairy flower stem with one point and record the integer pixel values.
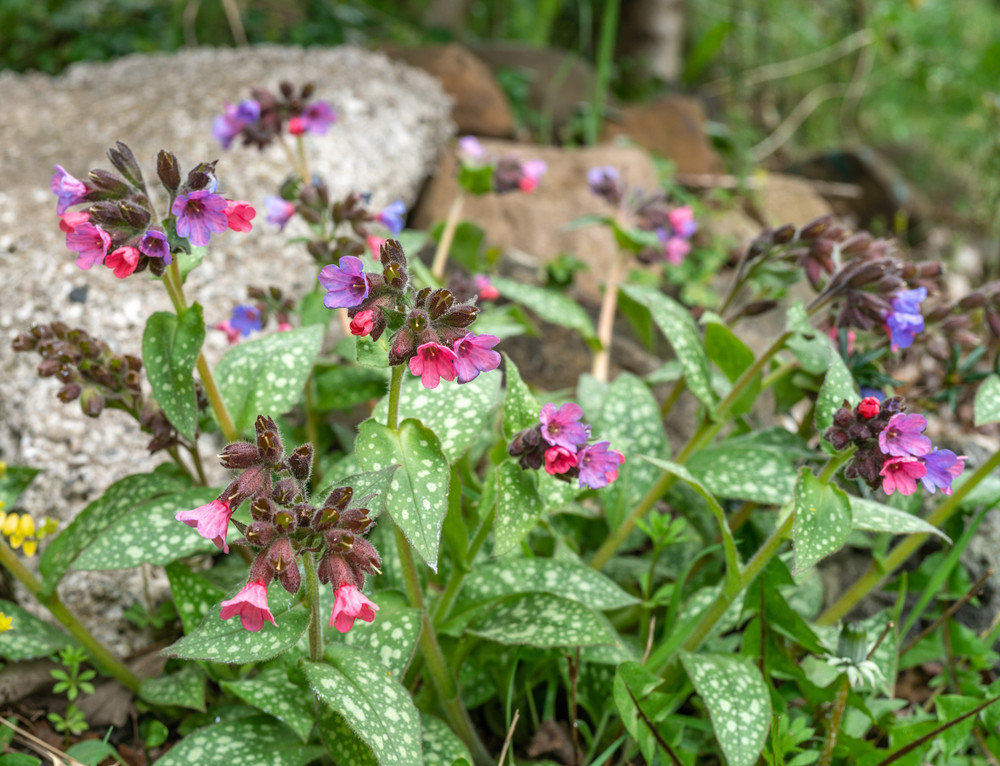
(878, 572)
(103, 658)
(836, 716)
(606, 319)
(395, 387)
(315, 618)
(447, 236)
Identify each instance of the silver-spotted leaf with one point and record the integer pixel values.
(342, 744)
(170, 348)
(193, 595)
(822, 520)
(744, 473)
(520, 407)
(987, 405)
(838, 385)
(518, 506)
(392, 637)
(542, 620)
(442, 747)
(251, 741)
(29, 637)
(879, 517)
(369, 490)
(185, 688)
(271, 692)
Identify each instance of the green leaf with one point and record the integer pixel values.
(12, 483)
(374, 705)
(952, 706)
(745, 473)
(118, 501)
(837, 386)
(29, 637)
(149, 534)
(520, 407)
(218, 640)
(542, 620)
(252, 741)
(170, 348)
(392, 637)
(92, 751)
(632, 689)
(708, 45)
(822, 520)
(987, 405)
(733, 357)
(680, 330)
(476, 180)
(737, 701)
(509, 576)
(19, 759)
(266, 375)
(878, 517)
(343, 745)
(271, 692)
(442, 747)
(809, 345)
(418, 493)
(552, 306)
(456, 414)
(189, 261)
(193, 595)
(370, 353)
(518, 506)
(185, 688)
(341, 387)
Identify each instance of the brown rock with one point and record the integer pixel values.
(480, 107)
(785, 199)
(673, 127)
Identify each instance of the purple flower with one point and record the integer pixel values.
(674, 248)
(602, 178)
(279, 211)
(231, 122)
(318, 117)
(68, 189)
(533, 170)
(154, 244)
(682, 221)
(598, 465)
(902, 436)
(91, 242)
(471, 150)
(905, 321)
(562, 427)
(393, 216)
(245, 319)
(943, 466)
(475, 355)
(346, 283)
(200, 214)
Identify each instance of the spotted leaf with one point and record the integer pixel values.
(878, 517)
(520, 407)
(838, 385)
(185, 688)
(987, 405)
(744, 473)
(822, 520)
(392, 637)
(252, 741)
(271, 692)
(170, 348)
(442, 747)
(518, 506)
(542, 620)
(193, 595)
(29, 637)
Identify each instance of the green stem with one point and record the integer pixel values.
(877, 573)
(447, 599)
(110, 664)
(447, 235)
(672, 397)
(395, 387)
(836, 715)
(315, 618)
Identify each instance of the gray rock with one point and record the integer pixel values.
(393, 122)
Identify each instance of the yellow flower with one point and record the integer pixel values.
(15, 541)
(26, 526)
(10, 524)
(5, 622)
(3, 470)
(30, 546)
(3, 513)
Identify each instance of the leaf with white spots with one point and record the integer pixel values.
(29, 637)
(457, 414)
(185, 688)
(822, 520)
(117, 501)
(809, 345)
(266, 375)
(518, 506)
(170, 348)
(838, 385)
(253, 741)
(356, 685)
(442, 747)
(344, 746)
(737, 700)
(392, 637)
(218, 640)
(681, 332)
(418, 493)
(551, 305)
(369, 490)
(542, 620)
(193, 595)
(508, 576)
(744, 473)
(520, 407)
(150, 534)
(271, 692)
(987, 405)
(371, 353)
(878, 517)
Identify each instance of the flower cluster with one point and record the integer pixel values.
(672, 226)
(428, 330)
(248, 318)
(119, 227)
(559, 442)
(892, 449)
(22, 532)
(259, 120)
(6, 623)
(285, 526)
(481, 172)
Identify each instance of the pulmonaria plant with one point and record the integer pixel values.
(891, 448)
(263, 117)
(559, 443)
(248, 318)
(284, 527)
(481, 172)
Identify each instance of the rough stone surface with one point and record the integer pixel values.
(393, 121)
(785, 199)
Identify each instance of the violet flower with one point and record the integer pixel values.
(245, 319)
(318, 117)
(279, 211)
(69, 190)
(229, 124)
(154, 244)
(474, 354)
(903, 437)
(561, 427)
(346, 283)
(598, 465)
(942, 466)
(200, 214)
(393, 216)
(905, 320)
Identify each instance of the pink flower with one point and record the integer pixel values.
(69, 221)
(561, 427)
(472, 150)
(123, 261)
(363, 322)
(869, 407)
(251, 605)
(375, 245)
(296, 126)
(902, 436)
(90, 241)
(559, 460)
(284, 327)
(240, 213)
(674, 250)
(485, 288)
(349, 605)
(279, 211)
(211, 521)
(681, 220)
(232, 334)
(69, 190)
(533, 171)
(318, 117)
(598, 465)
(433, 362)
(901, 473)
(474, 355)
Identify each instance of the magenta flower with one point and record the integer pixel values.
(561, 427)
(675, 248)
(123, 261)
(69, 190)
(485, 288)
(532, 171)
(901, 474)
(239, 214)
(251, 605)
(905, 321)
(279, 211)
(232, 334)
(393, 216)
(942, 466)
(211, 521)
(154, 244)
(229, 124)
(682, 221)
(474, 355)
(362, 323)
(902, 436)
(72, 219)
(598, 465)
(318, 117)
(432, 363)
(200, 214)
(346, 283)
(869, 407)
(349, 605)
(90, 241)
(559, 460)
(602, 179)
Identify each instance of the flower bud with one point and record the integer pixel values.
(91, 402)
(756, 308)
(48, 368)
(869, 407)
(69, 392)
(260, 533)
(460, 316)
(107, 186)
(24, 342)
(285, 492)
(816, 227)
(856, 244)
(439, 302)
(126, 164)
(843, 417)
(783, 234)
(268, 440)
(262, 509)
(167, 170)
(339, 498)
(973, 300)
(239, 455)
(300, 462)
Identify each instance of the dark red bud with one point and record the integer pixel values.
(167, 170)
(339, 498)
(816, 227)
(69, 392)
(126, 164)
(239, 455)
(783, 234)
(439, 302)
(300, 462)
(857, 243)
